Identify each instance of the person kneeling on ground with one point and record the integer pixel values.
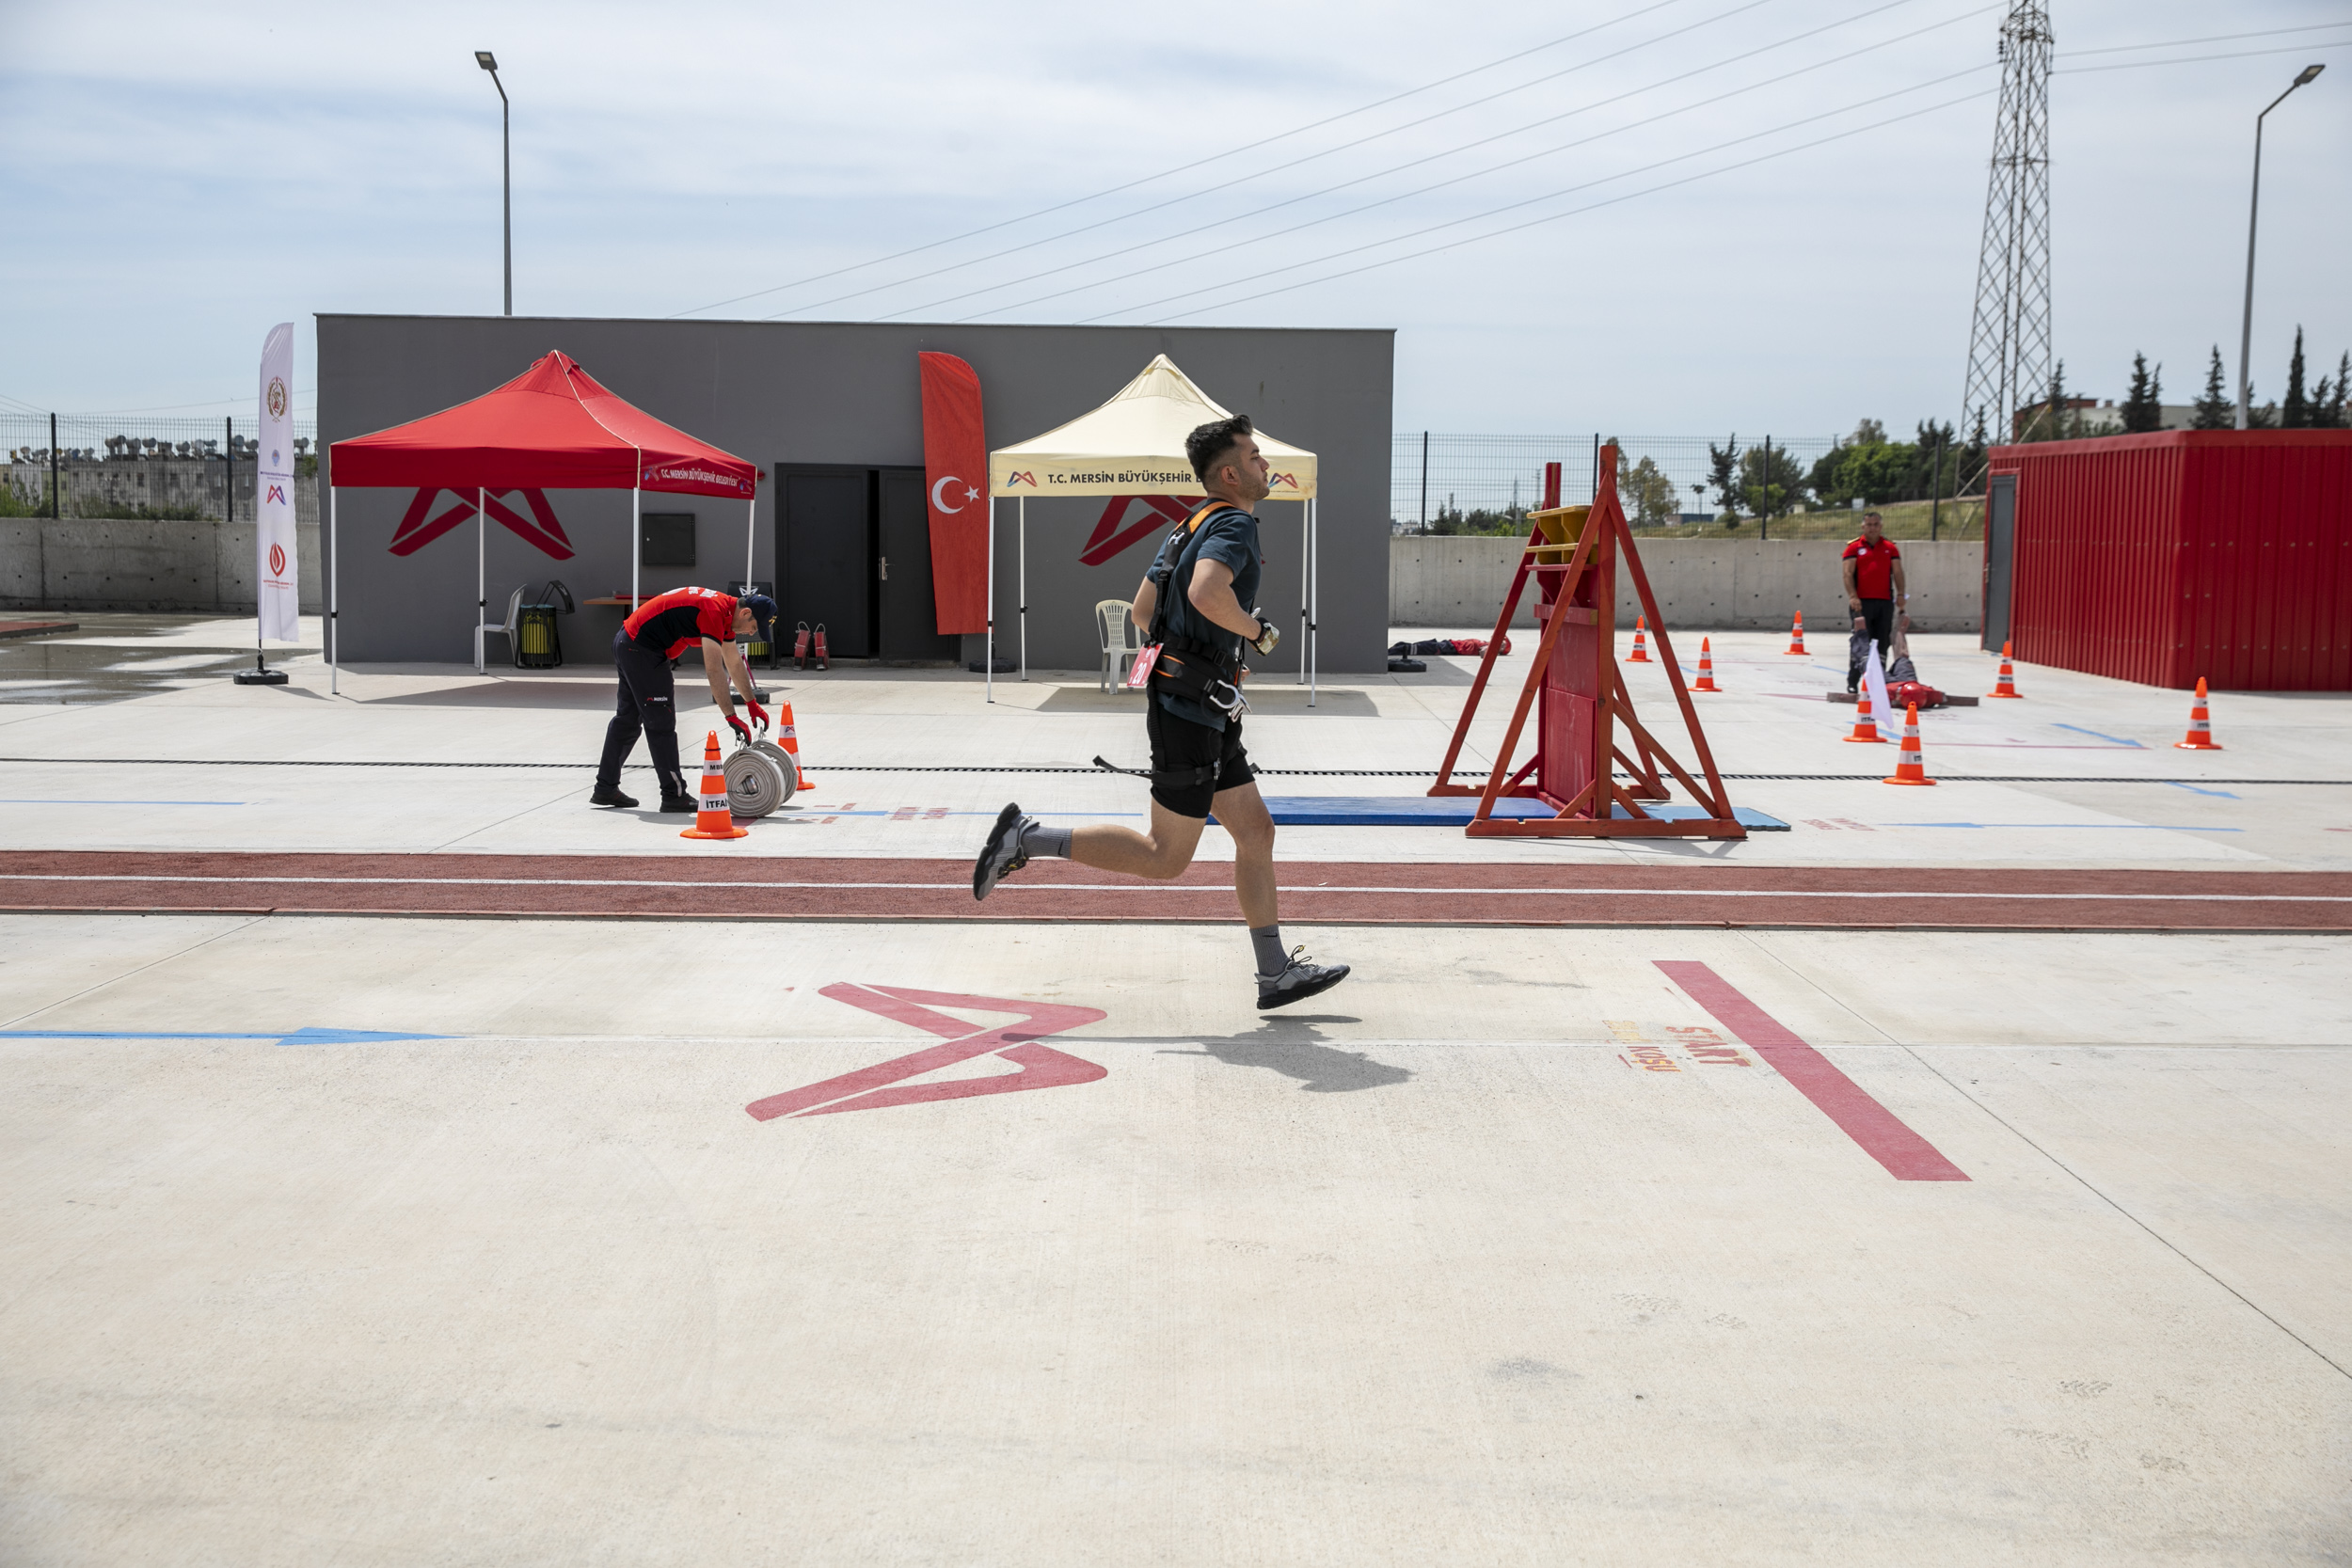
(664, 627)
(1191, 601)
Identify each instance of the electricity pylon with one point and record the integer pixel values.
(2008, 343)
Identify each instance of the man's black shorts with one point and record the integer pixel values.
(1181, 745)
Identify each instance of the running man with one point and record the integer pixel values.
(1190, 604)
(664, 627)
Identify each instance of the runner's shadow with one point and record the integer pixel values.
(1293, 1047)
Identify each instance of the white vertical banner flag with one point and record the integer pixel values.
(276, 576)
(1874, 682)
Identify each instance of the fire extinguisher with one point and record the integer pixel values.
(824, 661)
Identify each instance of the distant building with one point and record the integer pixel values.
(2104, 416)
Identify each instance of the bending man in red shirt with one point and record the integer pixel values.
(664, 627)
(1874, 591)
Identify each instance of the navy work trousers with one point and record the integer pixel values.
(647, 705)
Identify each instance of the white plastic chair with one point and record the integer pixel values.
(1114, 629)
(514, 614)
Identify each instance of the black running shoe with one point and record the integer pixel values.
(1298, 982)
(604, 797)
(1001, 856)
(680, 804)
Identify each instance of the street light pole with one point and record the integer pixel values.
(2253, 210)
(506, 167)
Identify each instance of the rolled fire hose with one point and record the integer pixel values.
(786, 764)
(756, 783)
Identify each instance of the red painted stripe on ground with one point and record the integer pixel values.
(721, 886)
(1881, 1133)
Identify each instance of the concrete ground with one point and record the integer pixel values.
(337, 1240)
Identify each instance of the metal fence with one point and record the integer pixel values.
(91, 465)
(1470, 479)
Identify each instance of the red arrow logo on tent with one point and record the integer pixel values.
(1109, 538)
(542, 528)
(866, 1089)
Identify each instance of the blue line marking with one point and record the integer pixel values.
(298, 1036)
(2194, 790)
(2094, 734)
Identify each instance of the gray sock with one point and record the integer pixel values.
(1267, 939)
(1037, 839)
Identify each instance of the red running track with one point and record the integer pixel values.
(677, 887)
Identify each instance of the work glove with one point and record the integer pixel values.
(740, 728)
(1268, 637)
(759, 715)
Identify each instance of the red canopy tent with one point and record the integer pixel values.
(551, 427)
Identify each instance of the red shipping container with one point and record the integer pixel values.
(2225, 554)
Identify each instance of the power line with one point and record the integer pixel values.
(1612, 201)
(1546, 195)
(1441, 184)
(2193, 59)
(1277, 168)
(1197, 162)
(2217, 37)
(1455, 245)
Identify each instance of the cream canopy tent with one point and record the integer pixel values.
(1134, 445)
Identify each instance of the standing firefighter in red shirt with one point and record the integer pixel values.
(1874, 592)
(662, 629)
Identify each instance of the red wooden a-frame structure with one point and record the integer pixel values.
(1573, 554)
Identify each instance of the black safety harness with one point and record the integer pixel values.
(1183, 666)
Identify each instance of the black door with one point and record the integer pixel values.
(826, 555)
(2000, 532)
(910, 617)
(856, 552)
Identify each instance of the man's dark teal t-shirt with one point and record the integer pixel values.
(1229, 535)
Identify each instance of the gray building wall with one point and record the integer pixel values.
(790, 393)
(1443, 581)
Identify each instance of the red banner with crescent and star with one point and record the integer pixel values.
(954, 470)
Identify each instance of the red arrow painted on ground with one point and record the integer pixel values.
(866, 1089)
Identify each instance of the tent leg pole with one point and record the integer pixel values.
(636, 536)
(750, 538)
(1315, 608)
(334, 568)
(987, 646)
(1306, 508)
(1023, 594)
(480, 571)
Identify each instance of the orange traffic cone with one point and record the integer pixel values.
(1796, 635)
(2199, 726)
(1641, 645)
(2007, 685)
(712, 819)
(1910, 768)
(787, 735)
(1707, 670)
(1866, 723)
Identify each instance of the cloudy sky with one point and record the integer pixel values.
(1656, 216)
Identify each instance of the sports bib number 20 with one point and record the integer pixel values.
(1140, 671)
